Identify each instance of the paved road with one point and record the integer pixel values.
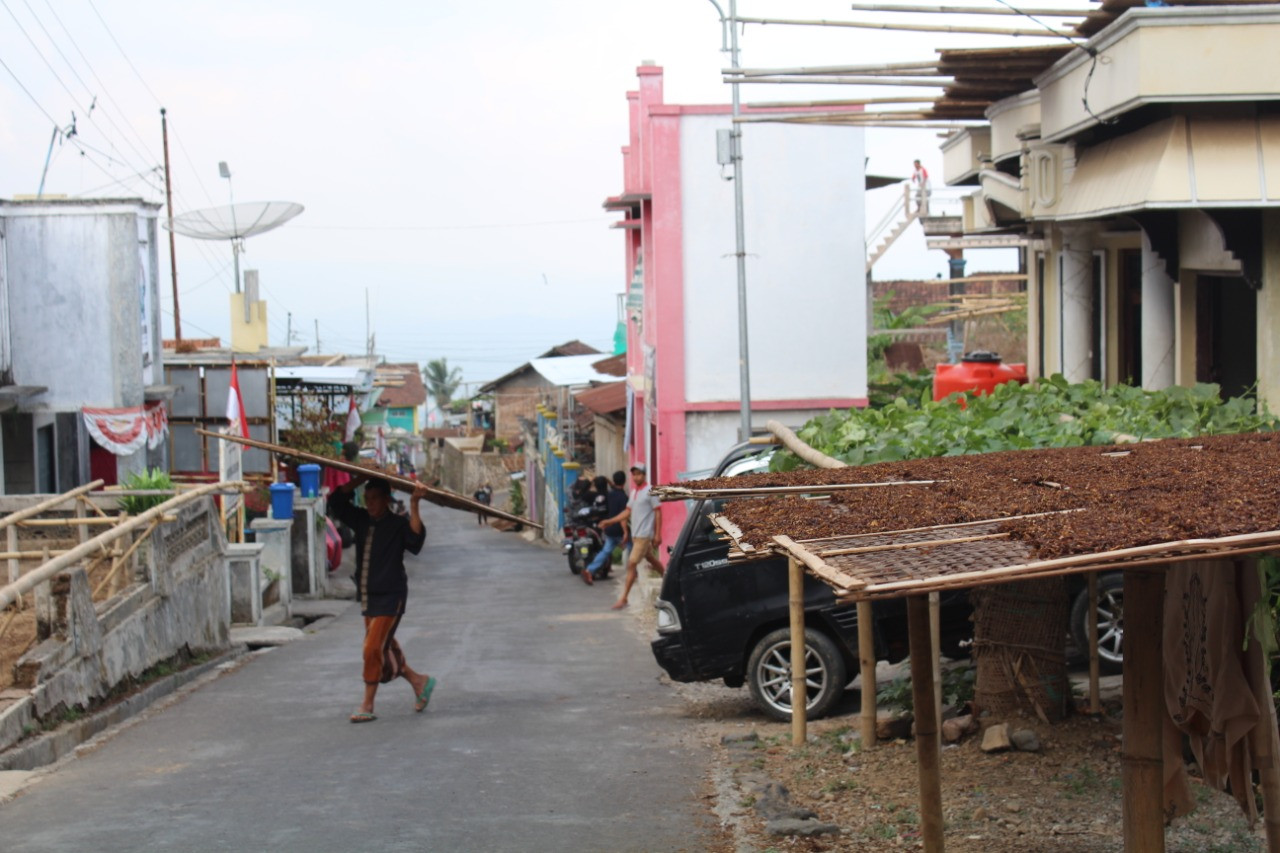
(548, 731)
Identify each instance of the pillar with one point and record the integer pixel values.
(955, 332)
(1157, 320)
(1076, 294)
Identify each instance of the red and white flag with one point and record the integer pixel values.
(353, 420)
(381, 447)
(235, 406)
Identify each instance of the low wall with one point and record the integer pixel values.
(179, 598)
(465, 472)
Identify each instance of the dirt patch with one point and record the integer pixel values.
(1067, 797)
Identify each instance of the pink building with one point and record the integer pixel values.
(806, 285)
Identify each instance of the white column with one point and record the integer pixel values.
(1157, 320)
(1077, 305)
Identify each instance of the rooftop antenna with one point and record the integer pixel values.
(58, 132)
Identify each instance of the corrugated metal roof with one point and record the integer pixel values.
(311, 375)
(604, 399)
(567, 370)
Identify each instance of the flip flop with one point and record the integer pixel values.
(363, 717)
(425, 696)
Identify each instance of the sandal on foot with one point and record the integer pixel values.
(363, 717)
(425, 696)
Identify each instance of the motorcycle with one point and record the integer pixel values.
(583, 539)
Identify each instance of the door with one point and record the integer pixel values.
(1129, 352)
(1226, 333)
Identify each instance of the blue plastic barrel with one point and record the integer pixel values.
(282, 501)
(309, 480)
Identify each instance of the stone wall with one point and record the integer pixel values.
(179, 600)
(464, 473)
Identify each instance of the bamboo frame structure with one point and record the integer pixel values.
(928, 765)
(1142, 756)
(970, 10)
(440, 497)
(867, 672)
(917, 28)
(1095, 693)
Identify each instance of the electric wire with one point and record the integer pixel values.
(116, 41)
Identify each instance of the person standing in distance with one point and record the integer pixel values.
(644, 512)
(483, 495)
(382, 538)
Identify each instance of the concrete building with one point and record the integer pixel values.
(518, 393)
(1145, 169)
(807, 304)
(79, 343)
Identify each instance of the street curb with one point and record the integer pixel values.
(49, 748)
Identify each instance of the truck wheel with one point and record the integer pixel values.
(1110, 623)
(769, 673)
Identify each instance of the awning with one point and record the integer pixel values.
(351, 377)
(1181, 162)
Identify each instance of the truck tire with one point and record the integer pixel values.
(769, 673)
(1110, 623)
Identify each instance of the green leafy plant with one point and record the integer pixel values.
(517, 497)
(1050, 413)
(151, 480)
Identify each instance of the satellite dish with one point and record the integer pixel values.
(234, 221)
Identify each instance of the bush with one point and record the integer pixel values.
(153, 479)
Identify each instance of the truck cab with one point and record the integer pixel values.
(730, 620)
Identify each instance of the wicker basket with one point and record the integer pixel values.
(1018, 648)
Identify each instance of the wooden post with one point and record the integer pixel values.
(15, 568)
(935, 658)
(1095, 694)
(1142, 759)
(867, 670)
(927, 751)
(799, 690)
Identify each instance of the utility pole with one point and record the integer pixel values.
(317, 337)
(288, 329)
(368, 332)
(740, 238)
(173, 258)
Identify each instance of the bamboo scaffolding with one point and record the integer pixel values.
(918, 28)
(441, 497)
(123, 559)
(938, 83)
(100, 521)
(799, 676)
(34, 555)
(874, 68)
(46, 505)
(51, 567)
(970, 10)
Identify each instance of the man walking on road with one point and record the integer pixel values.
(645, 514)
(382, 537)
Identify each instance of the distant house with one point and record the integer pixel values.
(402, 397)
(517, 394)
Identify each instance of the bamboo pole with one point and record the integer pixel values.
(847, 102)
(867, 671)
(970, 10)
(928, 767)
(123, 559)
(680, 493)
(50, 503)
(800, 448)
(1095, 693)
(915, 28)
(1160, 549)
(15, 570)
(906, 546)
(873, 68)
(10, 593)
(935, 659)
(106, 521)
(799, 688)
(441, 497)
(938, 83)
(1142, 761)
(36, 555)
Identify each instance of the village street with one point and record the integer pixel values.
(549, 730)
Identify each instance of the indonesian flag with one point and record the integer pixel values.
(353, 420)
(235, 406)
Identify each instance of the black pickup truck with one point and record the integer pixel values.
(730, 621)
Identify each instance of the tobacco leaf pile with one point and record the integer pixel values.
(1161, 491)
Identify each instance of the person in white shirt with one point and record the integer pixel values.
(644, 512)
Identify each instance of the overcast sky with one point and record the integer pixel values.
(452, 156)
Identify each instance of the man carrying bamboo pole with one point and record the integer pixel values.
(382, 537)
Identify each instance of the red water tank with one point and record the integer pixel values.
(977, 373)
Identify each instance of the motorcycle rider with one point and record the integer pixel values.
(615, 501)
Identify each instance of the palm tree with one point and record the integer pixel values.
(441, 380)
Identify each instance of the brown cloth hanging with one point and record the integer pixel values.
(1215, 685)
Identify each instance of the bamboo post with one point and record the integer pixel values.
(935, 658)
(1142, 759)
(799, 690)
(51, 503)
(15, 568)
(1095, 697)
(927, 751)
(82, 531)
(867, 670)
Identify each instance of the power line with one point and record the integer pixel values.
(597, 221)
(125, 55)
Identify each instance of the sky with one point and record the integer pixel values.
(451, 156)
